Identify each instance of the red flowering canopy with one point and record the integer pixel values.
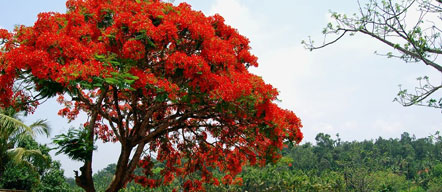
(164, 80)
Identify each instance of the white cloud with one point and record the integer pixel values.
(284, 68)
(388, 126)
(329, 18)
(296, 62)
(279, 66)
(434, 129)
(414, 14)
(324, 128)
(350, 125)
(238, 16)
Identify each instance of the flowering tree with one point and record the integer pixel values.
(165, 81)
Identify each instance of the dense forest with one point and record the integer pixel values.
(405, 164)
(401, 164)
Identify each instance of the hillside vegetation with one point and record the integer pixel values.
(401, 164)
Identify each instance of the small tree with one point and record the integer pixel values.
(37, 173)
(12, 132)
(164, 81)
(410, 27)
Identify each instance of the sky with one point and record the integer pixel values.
(344, 88)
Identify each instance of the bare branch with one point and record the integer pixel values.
(388, 22)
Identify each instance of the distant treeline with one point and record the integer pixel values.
(405, 164)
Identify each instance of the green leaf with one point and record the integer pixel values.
(141, 36)
(111, 81)
(129, 81)
(115, 63)
(161, 97)
(100, 57)
(75, 144)
(151, 43)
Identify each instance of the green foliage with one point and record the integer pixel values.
(405, 164)
(39, 174)
(18, 176)
(103, 177)
(18, 154)
(75, 144)
(24, 164)
(388, 181)
(121, 80)
(53, 179)
(435, 185)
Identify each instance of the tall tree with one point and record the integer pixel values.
(410, 27)
(165, 81)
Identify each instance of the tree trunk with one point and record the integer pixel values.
(85, 180)
(119, 181)
(125, 168)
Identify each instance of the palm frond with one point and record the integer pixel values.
(12, 126)
(19, 154)
(41, 127)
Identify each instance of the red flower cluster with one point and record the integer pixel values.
(155, 75)
(133, 49)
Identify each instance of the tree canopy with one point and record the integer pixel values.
(165, 81)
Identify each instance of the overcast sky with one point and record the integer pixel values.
(344, 88)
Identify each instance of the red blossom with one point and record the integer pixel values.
(133, 49)
(4, 34)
